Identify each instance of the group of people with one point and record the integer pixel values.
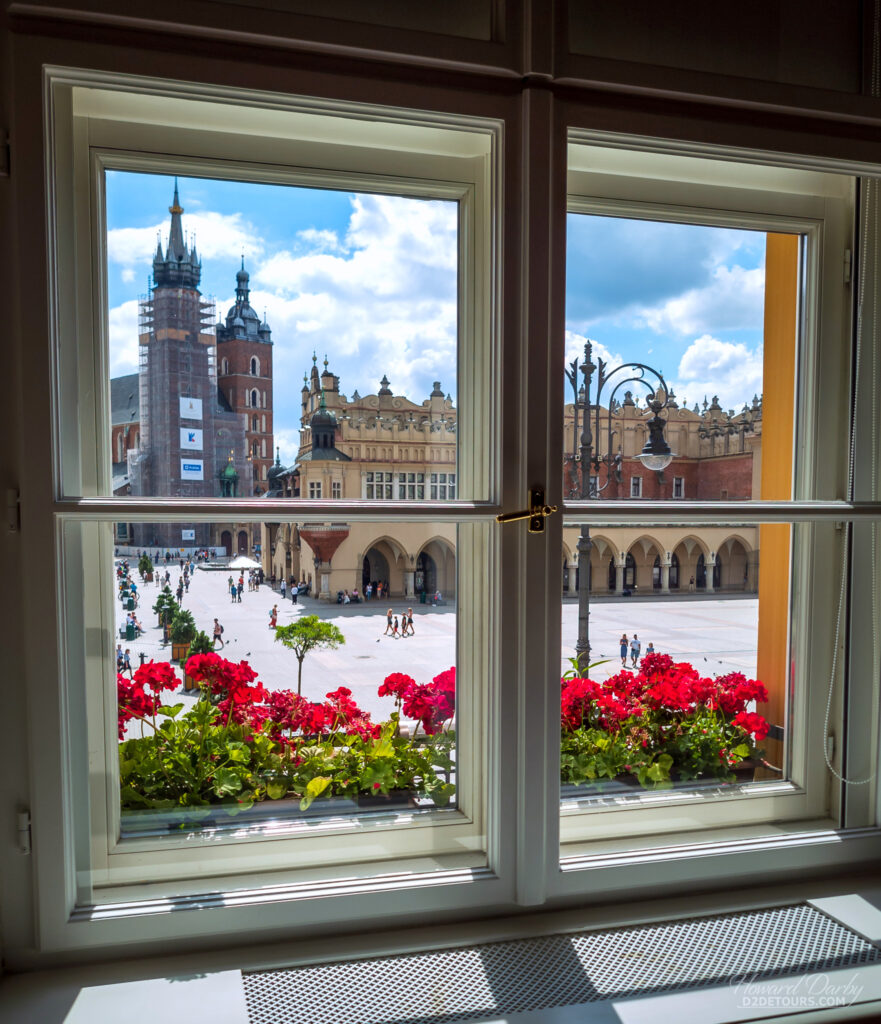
(632, 647)
(124, 660)
(394, 629)
(375, 588)
(236, 588)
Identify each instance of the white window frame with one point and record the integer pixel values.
(679, 482)
(403, 154)
(522, 863)
(636, 487)
(607, 181)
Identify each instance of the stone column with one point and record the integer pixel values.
(619, 577)
(665, 576)
(324, 581)
(710, 565)
(409, 583)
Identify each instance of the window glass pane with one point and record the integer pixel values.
(252, 601)
(702, 322)
(239, 283)
(675, 661)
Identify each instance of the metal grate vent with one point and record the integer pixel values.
(465, 984)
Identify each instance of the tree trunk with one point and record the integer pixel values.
(299, 676)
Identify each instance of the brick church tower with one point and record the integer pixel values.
(244, 352)
(189, 435)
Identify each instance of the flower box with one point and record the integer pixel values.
(230, 817)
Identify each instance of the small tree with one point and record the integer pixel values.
(166, 607)
(145, 565)
(201, 644)
(308, 634)
(183, 627)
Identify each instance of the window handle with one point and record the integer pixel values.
(536, 513)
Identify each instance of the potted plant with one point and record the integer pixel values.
(660, 725)
(201, 644)
(182, 632)
(145, 567)
(166, 607)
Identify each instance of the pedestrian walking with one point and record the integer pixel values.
(241, 587)
(218, 634)
(403, 623)
(273, 617)
(650, 649)
(395, 628)
(623, 645)
(120, 658)
(691, 585)
(127, 662)
(635, 647)
(229, 583)
(410, 622)
(368, 591)
(233, 591)
(388, 622)
(187, 584)
(295, 590)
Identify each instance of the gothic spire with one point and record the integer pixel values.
(179, 267)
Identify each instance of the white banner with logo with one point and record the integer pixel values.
(188, 535)
(191, 469)
(191, 408)
(191, 439)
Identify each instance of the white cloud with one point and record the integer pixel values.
(128, 275)
(215, 234)
(734, 300)
(383, 303)
(575, 350)
(728, 369)
(327, 241)
(123, 324)
(288, 444)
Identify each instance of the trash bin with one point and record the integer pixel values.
(130, 604)
(422, 597)
(130, 632)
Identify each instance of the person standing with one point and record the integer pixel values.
(120, 659)
(410, 622)
(388, 622)
(691, 585)
(395, 628)
(403, 623)
(273, 617)
(127, 662)
(240, 589)
(650, 649)
(229, 583)
(282, 588)
(635, 647)
(368, 591)
(218, 634)
(622, 647)
(295, 590)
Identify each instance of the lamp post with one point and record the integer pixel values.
(655, 455)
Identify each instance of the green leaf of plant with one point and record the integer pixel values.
(226, 782)
(277, 788)
(314, 788)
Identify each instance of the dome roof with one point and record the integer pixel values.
(322, 417)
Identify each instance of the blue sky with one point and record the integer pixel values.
(371, 281)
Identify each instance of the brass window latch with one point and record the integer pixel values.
(536, 513)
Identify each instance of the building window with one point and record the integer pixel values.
(224, 366)
(255, 367)
(678, 486)
(336, 489)
(314, 488)
(255, 398)
(636, 487)
(442, 486)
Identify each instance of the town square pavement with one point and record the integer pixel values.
(717, 633)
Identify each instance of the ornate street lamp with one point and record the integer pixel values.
(655, 455)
